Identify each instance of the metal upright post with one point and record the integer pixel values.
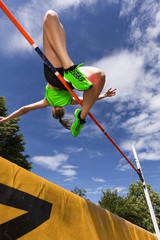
(154, 220)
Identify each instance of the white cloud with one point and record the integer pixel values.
(112, 1)
(123, 165)
(68, 172)
(98, 179)
(51, 162)
(149, 156)
(72, 149)
(136, 74)
(68, 166)
(136, 119)
(69, 179)
(57, 163)
(127, 7)
(98, 190)
(147, 147)
(31, 21)
(123, 70)
(95, 154)
(95, 191)
(121, 189)
(154, 104)
(143, 124)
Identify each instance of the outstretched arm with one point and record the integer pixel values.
(109, 93)
(23, 110)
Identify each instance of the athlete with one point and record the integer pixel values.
(90, 80)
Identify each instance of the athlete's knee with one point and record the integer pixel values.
(50, 16)
(101, 75)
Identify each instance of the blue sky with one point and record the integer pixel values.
(123, 39)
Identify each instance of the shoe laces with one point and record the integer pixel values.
(78, 75)
(78, 126)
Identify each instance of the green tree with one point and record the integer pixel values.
(139, 208)
(133, 207)
(80, 192)
(111, 201)
(12, 143)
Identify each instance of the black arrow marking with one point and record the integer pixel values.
(38, 211)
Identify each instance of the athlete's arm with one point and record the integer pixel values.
(23, 110)
(109, 93)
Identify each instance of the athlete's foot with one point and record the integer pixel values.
(78, 80)
(78, 123)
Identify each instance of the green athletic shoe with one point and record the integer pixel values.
(78, 124)
(77, 78)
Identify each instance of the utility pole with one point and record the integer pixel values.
(154, 220)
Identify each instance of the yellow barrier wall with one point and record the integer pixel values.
(32, 208)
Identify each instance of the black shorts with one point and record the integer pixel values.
(52, 78)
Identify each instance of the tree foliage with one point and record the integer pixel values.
(12, 143)
(80, 192)
(111, 201)
(133, 207)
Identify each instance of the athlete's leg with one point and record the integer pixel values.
(54, 41)
(97, 77)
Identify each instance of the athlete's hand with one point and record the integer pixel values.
(3, 119)
(110, 92)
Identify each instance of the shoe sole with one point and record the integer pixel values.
(77, 88)
(75, 118)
